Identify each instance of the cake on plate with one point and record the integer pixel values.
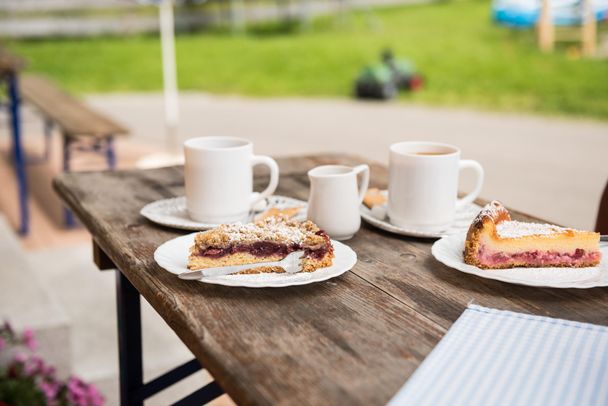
(494, 241)
(267, 240)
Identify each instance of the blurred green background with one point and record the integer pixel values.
(465, 58)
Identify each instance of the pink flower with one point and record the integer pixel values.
(33, 366)
(95, 398)
(29, 340)
(48, 371)
(50, 390)
(82, 394)
(20, 358)
(2, 343)
(76, 392)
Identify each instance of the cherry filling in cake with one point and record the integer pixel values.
(264, 249)
(268, 240)
(579, 257)
(495, 241)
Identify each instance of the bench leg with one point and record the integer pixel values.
(18, 153)
(68, 216)
(48, 132)
(110, 153)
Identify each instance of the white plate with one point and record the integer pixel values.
(173, 257)
(173, 213)
(462, 220)
(448, 250)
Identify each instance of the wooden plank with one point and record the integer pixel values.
(545, 28)
(101, 259)
(71, 115)
(589, 29)
(352, 340)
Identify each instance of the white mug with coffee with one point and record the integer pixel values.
(423, 184)
(219, 178)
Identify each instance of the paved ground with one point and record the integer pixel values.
(551, 167)
(92, 311)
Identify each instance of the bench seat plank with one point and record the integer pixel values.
(73, 116)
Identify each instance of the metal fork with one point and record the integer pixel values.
(292, 263)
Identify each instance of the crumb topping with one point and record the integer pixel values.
(493, 210)
(277, 229)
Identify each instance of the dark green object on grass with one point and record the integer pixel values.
(383, 80)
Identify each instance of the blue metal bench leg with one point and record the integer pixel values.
(110, 153)
(18, 153)
(48, 132)
(67, 213)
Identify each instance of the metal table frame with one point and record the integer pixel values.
(133, 390)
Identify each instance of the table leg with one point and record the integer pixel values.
(129, 341)
(18, 154)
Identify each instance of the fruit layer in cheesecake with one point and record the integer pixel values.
(495, 241)
(267, 240)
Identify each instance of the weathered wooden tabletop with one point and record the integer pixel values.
(352, 340)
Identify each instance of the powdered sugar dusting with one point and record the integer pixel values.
(493, 210)
(268, 230)
(515, 229)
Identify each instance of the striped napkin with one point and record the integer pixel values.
(496, 357)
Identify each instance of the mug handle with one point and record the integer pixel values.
(364, 171)
(476, 166)
(274, 177)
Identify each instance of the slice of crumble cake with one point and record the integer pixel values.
(267, 240)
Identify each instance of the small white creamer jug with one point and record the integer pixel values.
(335, 198)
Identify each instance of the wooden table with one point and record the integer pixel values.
(10, 67)
(352, 340)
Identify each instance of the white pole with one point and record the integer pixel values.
(167, 33)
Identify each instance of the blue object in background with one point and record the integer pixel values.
(525, 13)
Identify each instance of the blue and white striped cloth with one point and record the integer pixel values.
(496, 357)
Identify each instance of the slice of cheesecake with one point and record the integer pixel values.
(267, 240)
(495, 241)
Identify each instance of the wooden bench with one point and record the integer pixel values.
(82, 128)
(76, 121)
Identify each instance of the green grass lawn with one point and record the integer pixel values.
(465, 58)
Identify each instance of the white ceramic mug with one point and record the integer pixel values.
(335, 198)
(423, 184)
(219, 178)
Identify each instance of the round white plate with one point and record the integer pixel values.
(448, 250)
(462, 220)
(173, 213)
(173, 257)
